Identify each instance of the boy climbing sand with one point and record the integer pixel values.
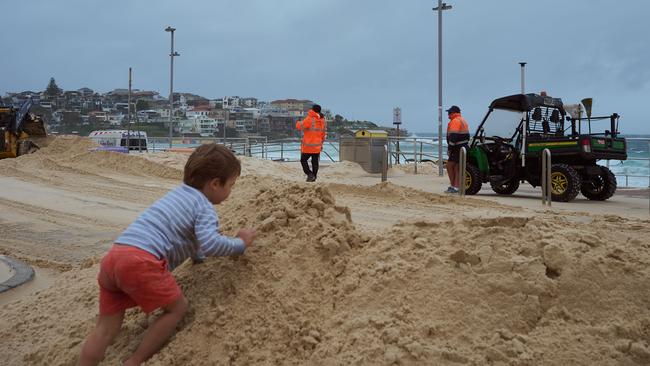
(137, 269)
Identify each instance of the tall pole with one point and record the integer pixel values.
(441, 6)
(523, 78)
(128, 120)
(523, 91)
(172, 54)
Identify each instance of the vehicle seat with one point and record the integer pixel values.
(546, 128)
(556, 119)
(555, 116)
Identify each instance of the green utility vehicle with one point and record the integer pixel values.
(508, 145)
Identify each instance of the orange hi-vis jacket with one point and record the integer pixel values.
(457, 130)
(313, 129)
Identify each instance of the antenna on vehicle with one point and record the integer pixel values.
(587, 102)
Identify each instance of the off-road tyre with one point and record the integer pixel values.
(473, 180)
(599, 187)
(565, 183)
(508, 187)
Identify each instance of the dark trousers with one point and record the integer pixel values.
(314, 163)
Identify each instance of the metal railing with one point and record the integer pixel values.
(410, 150)
(260, 147)
(627, 176)
(384, 164)
(547, 189)
(423, 149)
(461, 171)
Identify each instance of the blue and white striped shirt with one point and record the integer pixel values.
(183, 224)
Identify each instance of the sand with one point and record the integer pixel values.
(348, 270)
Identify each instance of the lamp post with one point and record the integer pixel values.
(172, 54)
(523, 65)
(523, 90)
(441, 6)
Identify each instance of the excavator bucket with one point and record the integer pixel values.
(21, 132)
(34, 126)
(28, 123)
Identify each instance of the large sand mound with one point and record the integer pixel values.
(319, 289)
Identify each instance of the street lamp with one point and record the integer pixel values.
(441, 6)
(171, 84)
(523, 65)
(523, 90)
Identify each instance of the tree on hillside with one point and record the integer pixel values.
(52, 89)
(142, 105)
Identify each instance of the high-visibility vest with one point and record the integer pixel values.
(457, 130)
(313, 129)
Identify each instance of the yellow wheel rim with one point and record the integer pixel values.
(468, 180)
(559, 183)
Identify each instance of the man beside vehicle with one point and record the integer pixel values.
(457, 137)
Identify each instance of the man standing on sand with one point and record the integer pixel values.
(457, 137)
(314, 130)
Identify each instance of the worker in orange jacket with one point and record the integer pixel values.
(457, 137)
(314, 130)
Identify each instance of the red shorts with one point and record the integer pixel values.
(129, 276)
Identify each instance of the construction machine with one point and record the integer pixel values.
(20, 131)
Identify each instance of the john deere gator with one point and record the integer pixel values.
(508, 144)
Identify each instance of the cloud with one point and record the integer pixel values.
(359, 58)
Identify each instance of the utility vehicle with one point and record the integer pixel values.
(508, 144)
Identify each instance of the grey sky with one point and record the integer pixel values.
(359, 58)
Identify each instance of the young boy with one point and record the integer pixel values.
(137, 269)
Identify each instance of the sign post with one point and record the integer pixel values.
(397, 120)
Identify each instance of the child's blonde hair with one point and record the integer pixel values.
(208, 162)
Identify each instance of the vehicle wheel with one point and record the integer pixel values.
(508, 187)
(473, 181)
(599, 187)
(565, 183)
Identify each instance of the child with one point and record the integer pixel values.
(137, 269)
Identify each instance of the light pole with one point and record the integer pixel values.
(172, 54)
(523, 65)
(441, 6)
(523, 90)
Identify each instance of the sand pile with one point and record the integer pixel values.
(72, 154)
(318, 289)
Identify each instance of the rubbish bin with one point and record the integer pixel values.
(366, 148)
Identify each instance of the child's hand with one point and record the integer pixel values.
(247, 235)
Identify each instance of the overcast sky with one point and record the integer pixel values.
(358, 58)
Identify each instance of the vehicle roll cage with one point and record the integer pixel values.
(525, 103)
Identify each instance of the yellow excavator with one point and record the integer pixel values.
(20, 131)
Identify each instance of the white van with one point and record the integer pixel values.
(118, 138)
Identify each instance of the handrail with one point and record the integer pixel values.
(546, 178)
(461, 171)
(424, 149)
(384, 164)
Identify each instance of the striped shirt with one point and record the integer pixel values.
(183, 224)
